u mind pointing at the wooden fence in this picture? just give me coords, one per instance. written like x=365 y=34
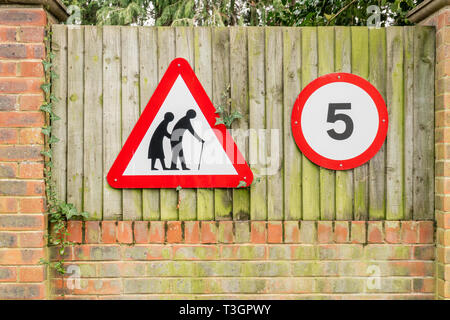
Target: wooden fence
x=107 y=75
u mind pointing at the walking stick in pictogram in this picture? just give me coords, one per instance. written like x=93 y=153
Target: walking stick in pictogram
x=201 y=153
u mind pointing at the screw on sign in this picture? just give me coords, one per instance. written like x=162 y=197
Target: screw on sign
x=339 y=121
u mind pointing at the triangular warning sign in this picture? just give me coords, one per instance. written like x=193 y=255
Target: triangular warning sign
x=176 y=141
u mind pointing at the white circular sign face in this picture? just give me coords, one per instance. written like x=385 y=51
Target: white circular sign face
x=339 y=121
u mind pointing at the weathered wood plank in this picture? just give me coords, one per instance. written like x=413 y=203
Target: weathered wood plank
x=408 y=109
x=377 y=165
x=424 y=59
x=166 y=53
x=360 y=67
x=112 y=128
x=239 y=102
x=148 y=80
x=59 y=128
x=203 y=70
x=292 y=155
x=327 y=177
x=132 y=199
x=394 y=150
x=75 y=111
x=223 y=198
x=185 y=48
x=344 y=179
x=257 y=152
x=274 y=122
x=310 y=172
x=93 y=131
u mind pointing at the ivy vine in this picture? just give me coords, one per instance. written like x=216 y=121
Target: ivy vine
x=226 y=117
x=59 y=212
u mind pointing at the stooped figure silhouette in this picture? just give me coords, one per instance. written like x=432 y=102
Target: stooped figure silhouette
x=176 y=140
x=155 y=149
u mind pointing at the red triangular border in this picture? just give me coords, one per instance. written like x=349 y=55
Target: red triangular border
x=115 y=176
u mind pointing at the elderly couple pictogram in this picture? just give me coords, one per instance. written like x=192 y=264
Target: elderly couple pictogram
x=156 y=151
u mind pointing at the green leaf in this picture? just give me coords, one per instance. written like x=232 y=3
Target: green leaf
x=227 y=121
x=84 y=214
x=47 y=153
x=179 y=188
x=54 y=117
x=46 y=130
x=236 y=115
x=46 y=64
x=46 y=87
x=54 y=75
x=242 y=184
x=53 y=98
x=219 y=109
x=219 y=121
x=53 y=139
x=46 y=108
x=49 y=164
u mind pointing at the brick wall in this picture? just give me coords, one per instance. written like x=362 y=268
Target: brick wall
x=22 y=219
x=441 y=20
x=226 y=259
x=443 y=162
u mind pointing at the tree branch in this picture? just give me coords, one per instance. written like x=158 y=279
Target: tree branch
x=340 y=11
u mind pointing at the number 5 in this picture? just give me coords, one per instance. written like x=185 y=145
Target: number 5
x=332 y=117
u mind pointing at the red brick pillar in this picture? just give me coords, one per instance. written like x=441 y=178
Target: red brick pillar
x=437 y=13
x=23 y=220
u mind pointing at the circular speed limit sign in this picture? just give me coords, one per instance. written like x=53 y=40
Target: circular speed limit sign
x=339 y=121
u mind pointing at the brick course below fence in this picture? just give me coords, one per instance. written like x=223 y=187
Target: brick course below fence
x=258 y=260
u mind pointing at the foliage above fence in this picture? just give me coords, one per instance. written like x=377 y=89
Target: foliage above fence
x=238 y=12
x=108 y=74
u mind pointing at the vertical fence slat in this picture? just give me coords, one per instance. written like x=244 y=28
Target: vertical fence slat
x=59 y=128
x=239 y=102
x=256 y=85
x=203 y=70
x=408 y=142
x=132 y=198
x=292 y=155
x=274 y=122
x=377 y=76
x=223 y=198
x=327 y=177
x=394 y=150
x=310 y=172
x=148 y=79
x=185 y=48
x=344 y=179
x=424 y=60
x=360 y=67
x=166 y=53
x=112 y=119
x=75 y=110
x=93 y=131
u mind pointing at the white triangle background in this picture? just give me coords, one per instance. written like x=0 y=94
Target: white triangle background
x=214 y=160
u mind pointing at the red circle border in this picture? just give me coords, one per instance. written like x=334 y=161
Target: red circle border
x=306 y=149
